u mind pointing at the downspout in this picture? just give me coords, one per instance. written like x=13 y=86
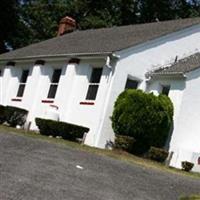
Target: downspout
x=108 y=62
x=104 y=109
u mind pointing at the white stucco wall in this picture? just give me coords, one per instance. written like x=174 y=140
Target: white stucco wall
x=185 y=142
x=77 y=78
x=177 y=87
x=139 y=60
x=184 y=93
x=72 y=90
x=10 y=83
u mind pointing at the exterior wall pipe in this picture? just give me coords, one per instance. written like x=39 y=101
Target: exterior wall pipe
x=104 y=109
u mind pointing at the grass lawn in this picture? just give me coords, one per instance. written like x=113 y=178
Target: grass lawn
x=190 y=198
x=120 y=155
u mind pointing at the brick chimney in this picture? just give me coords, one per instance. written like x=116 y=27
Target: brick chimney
x=66 y=25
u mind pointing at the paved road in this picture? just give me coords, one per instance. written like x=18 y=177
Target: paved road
x=32 y=169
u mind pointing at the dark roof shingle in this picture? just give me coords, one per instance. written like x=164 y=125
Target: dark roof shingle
x=104 y=40
x=184 y=65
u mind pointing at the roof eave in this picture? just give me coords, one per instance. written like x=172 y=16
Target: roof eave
x=169 y=75
x=58 y=56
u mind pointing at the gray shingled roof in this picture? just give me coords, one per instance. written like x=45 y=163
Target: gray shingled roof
x=99 y=41
x=185 y=65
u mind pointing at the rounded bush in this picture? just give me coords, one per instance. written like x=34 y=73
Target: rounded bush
x=157 y=154
x=124 y=142
x=144 y=116
x=187 y=166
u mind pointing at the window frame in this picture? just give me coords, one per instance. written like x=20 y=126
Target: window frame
x=168 y=86
x=22 y=83
x=129 y=77
x=51 y=93
x=92 y=95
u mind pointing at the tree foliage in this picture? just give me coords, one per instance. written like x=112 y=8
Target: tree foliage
x=145 y=117
x=8 y=19
x=38 y=20
x=23 y=22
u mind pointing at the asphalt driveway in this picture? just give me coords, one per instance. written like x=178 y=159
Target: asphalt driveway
x=32 y=169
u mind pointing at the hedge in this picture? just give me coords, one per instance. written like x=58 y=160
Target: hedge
x=15 y=116
x=65 y=130
x=187 y=166
x=2 y=114
x=157 y=154
x=143 y=116
x=124 y=142
x=12 y=115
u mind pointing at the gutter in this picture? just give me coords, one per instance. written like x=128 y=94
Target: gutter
x=152 y=76
x=58 y=56
x=109 y=59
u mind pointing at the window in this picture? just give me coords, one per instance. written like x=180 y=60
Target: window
x=131 y=84
x=165 y=90
x=54 y=83
x=94 y=84
x=22 y=84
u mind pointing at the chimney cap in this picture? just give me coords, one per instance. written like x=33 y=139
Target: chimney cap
x=66 y=25
x=67 y=19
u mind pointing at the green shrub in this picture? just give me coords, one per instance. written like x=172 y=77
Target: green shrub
x=65 y=130
x=145 y=117
x=157 y=154
x=187 y=166
x=2 y=114
x=15 y=116
x=124 y=142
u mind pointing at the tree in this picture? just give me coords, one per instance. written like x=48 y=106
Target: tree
x=156 y=10
x=8 y=21
x=38 y=20
x=182 y=9
x=24 y=22
x=145 y=117
x=152 y=10
x=129 y=12
x=105 y=13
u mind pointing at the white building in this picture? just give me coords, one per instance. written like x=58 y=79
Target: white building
x=82 y=72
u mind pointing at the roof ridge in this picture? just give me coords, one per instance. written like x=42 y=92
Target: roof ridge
x=137 y=24
x=184 y=65
x=101 y=40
